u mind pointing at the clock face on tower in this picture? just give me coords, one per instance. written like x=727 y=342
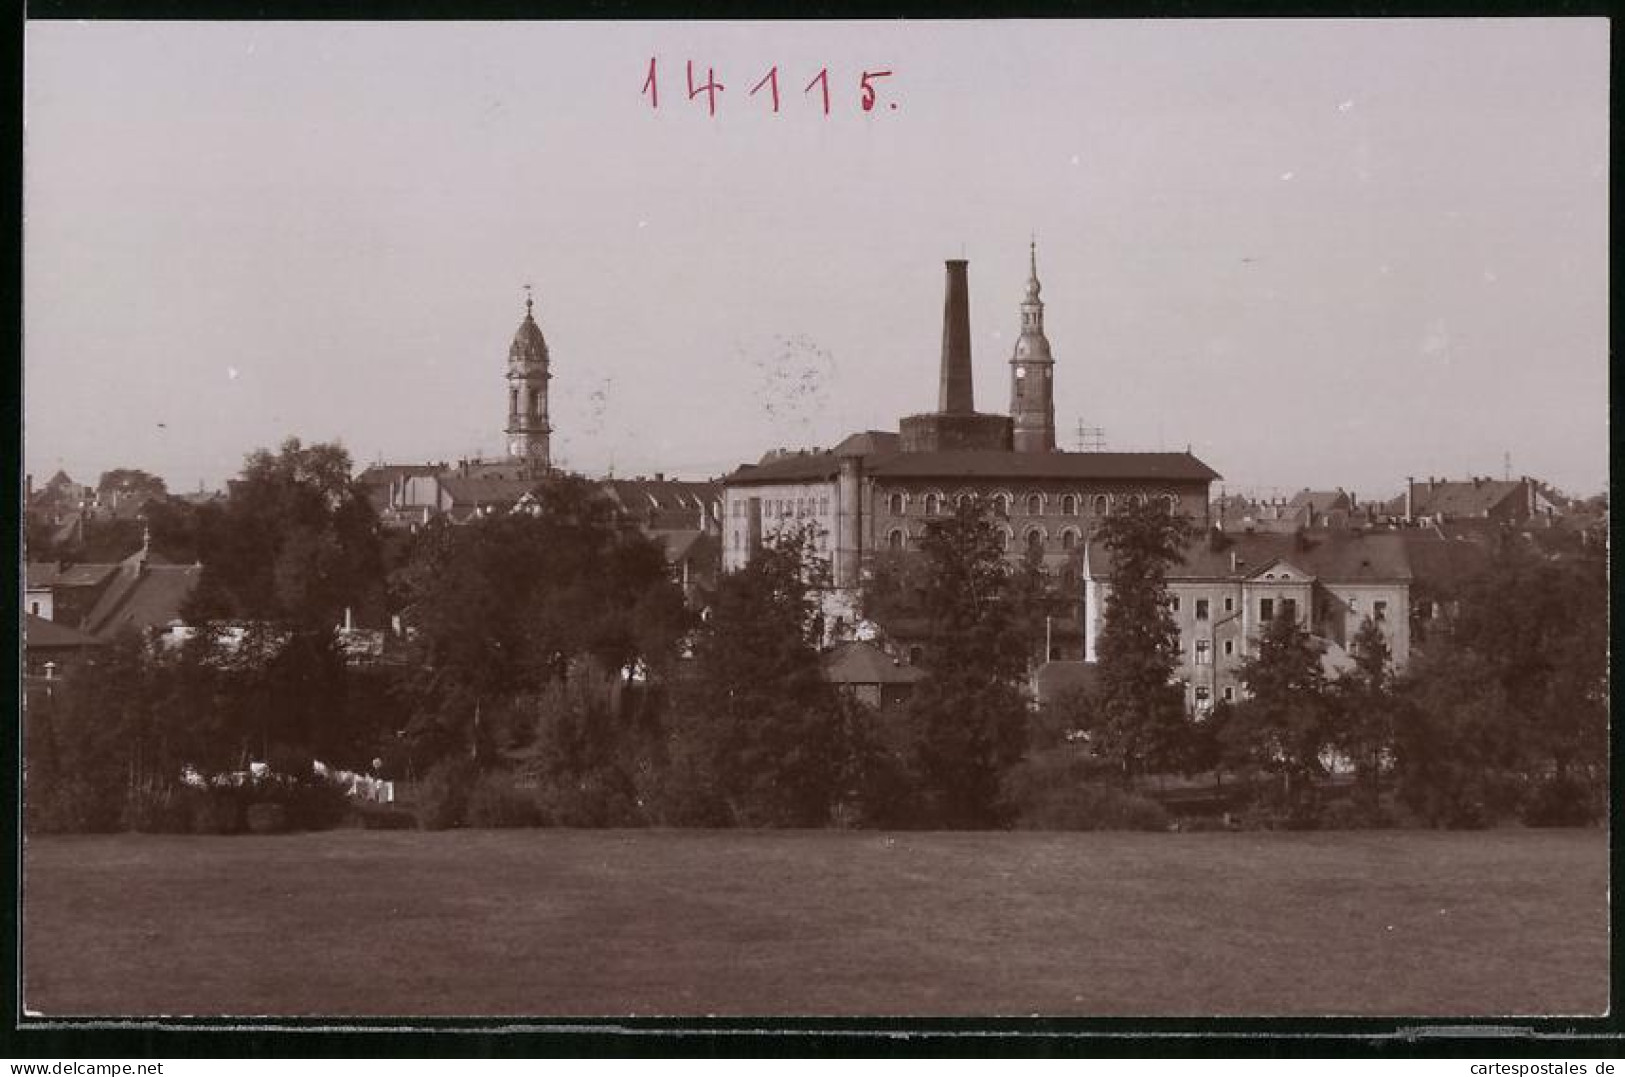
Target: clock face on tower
x=1021 y=372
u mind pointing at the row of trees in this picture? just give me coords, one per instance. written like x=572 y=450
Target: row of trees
x=1504 y=713
x=554 y=674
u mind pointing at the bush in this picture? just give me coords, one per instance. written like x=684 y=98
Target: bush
x=310 y=803
x=601 y=798
x=442 y=796
x=1564 y=801
x=71 y=805
x=1459 y=798
x=217 y=810
x=163 y=810
x=495 y=801
x=1060 y=790
x=382 y=817
x=266 y=818
x=1355 y=815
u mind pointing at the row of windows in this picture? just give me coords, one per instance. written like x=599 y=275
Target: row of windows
x=776 y=507
x=1266 y=608
x=820 y=540
x=1204 y=696
x=1070 y=504
x=898 y=539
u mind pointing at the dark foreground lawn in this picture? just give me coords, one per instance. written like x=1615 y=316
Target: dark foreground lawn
x=541 y=922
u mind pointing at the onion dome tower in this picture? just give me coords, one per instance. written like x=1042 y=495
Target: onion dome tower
x=528 y=431
x=1032 y=374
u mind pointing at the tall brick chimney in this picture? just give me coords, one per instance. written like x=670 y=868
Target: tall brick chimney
x=956 y=391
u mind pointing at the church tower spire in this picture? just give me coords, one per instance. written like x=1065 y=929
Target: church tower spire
x=1032 y=372
x=529 y=434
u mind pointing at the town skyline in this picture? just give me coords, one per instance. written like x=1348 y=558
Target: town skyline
x=1306 y=251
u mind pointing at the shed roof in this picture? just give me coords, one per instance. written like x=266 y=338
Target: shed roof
x=38 y=633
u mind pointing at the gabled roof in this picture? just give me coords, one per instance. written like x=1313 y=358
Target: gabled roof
x=142 y=598
x=1320 y=501
x=1474 y=498
x=795 y=467
x=983 y=463
x=681 y=544
x=662 y=497
x=384 y=474
x=475 y=492
x=864 y=663
x=1443 y=562
x=869 y=443
x=50 y=574
x=1335 y=555
x=40 y=633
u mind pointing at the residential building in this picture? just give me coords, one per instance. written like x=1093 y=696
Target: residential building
x=1227 y=589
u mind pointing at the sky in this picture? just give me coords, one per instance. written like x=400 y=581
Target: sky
x=1318 y=253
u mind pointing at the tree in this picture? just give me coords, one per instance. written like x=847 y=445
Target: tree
x=1283 y=726
x=967 y=720
x=295 y=543
x=1139 y=721
x=1507 y=709
x=756 y=728
x=125 y=482
x=503 y=606
x=1364 y=701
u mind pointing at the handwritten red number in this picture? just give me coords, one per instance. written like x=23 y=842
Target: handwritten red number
x=771 y=80
x=822 y=76
x=649 y=86
x=868 y=90
x=709 y=89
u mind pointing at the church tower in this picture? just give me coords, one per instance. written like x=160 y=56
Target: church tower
x=1032 y=374
x=528 y=430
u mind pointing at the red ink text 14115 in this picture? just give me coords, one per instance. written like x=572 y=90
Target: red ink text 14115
x=818 y=92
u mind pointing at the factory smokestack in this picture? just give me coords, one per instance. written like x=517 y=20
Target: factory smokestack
x=955 y=395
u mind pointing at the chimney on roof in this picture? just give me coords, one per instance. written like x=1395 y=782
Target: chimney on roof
x=660 y=476
x=955 y=393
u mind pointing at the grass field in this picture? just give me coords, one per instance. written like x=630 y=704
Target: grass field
x=544 y=922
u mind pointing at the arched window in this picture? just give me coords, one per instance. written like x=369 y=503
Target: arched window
x=1069 y=505
x=1035 y=540
x=933 y=504
x=895 y=503
x=1035 y=505
x=1103 y=504
x=1069 y=539
x=1004 y=538
x=895 y=539
x=1001 y=505
x=1173 y=503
